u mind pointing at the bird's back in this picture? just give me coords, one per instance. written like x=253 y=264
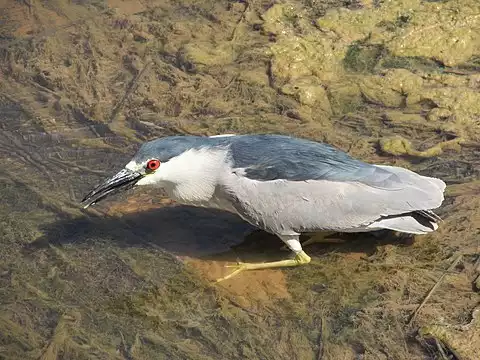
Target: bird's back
x=278 y=157
x=274 y=157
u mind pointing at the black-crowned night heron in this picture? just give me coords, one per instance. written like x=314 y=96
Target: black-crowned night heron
x=283 y=185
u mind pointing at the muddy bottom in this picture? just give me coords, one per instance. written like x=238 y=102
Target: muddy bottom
x=83 y=84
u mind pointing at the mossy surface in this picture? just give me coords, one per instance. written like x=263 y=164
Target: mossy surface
x=84 y=83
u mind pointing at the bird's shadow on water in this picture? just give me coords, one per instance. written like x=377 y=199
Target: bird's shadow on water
x=194 y=232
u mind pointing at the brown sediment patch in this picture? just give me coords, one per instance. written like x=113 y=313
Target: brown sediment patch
x=354 y=256
x=126 y=7
x=249 y=286
x=23 y=19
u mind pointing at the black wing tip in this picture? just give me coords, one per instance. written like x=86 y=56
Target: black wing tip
x=429 y=215
x=427 y=218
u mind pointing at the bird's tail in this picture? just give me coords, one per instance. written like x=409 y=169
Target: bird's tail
x=420 y=219
x=415 y=222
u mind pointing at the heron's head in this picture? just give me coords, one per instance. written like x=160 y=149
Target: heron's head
x=161 y=162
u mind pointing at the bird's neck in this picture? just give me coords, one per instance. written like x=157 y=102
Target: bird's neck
x=193 y=176
x=189 y=193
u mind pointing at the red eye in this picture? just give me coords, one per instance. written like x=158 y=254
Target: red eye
x=153 y=164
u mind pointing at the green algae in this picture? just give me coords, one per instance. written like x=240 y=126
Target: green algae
x=295 y=57
x=395 y=88
x=203 y=54
x=409 y=28
x=308 y=91
x=400 y=146
x=368 y=53
x=220 y=68
x=281 y=19
x=363 y=58
x=439 y=114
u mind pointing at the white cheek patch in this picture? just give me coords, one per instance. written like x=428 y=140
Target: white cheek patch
x=132 y=165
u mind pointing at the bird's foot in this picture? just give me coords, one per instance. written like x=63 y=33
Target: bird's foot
x=239 y=267
x=301 y=258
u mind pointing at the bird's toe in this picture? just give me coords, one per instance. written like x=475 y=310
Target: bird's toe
x=239 y=267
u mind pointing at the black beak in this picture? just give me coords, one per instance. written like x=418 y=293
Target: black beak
x=123 y=180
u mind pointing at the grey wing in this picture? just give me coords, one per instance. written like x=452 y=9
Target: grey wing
x=354 y=204
x=283 y=206
x=275 y=157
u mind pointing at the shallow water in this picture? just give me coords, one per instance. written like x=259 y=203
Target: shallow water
x=84 y=83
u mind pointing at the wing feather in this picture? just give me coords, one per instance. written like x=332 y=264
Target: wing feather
x=276 y=157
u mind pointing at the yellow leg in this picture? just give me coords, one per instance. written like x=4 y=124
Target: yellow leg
x=319 y=237
x=301 y=258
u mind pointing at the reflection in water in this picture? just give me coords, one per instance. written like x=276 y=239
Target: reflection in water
x=179 y=230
